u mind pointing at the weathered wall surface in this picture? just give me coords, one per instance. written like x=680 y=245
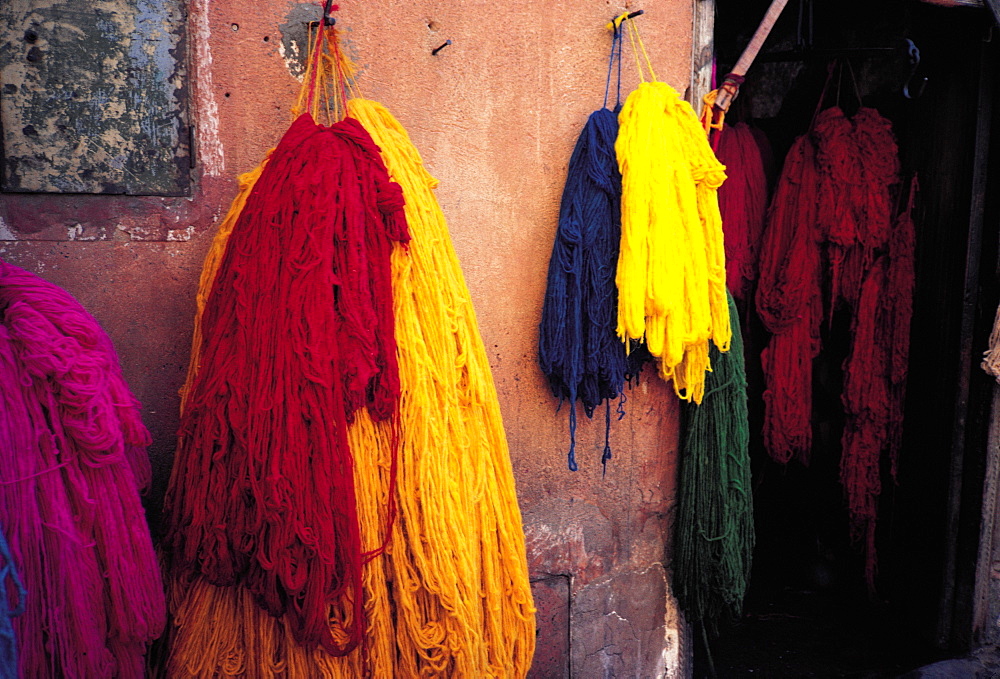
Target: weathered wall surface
x=495 y=115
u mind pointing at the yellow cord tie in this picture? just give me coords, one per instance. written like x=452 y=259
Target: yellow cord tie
x=712 y=115
x=711 y=119
x=637 y=48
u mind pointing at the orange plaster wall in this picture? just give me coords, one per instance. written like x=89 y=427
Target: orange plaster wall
x=495 y=116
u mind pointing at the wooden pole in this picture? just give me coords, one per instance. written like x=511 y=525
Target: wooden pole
x=727 y=94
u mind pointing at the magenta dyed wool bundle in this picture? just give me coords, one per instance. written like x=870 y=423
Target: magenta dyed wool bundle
x=72 y=460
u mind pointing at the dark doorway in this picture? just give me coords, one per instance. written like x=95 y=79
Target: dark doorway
x=808 y=612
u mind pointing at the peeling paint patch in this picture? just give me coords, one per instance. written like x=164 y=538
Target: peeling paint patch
x=292 y=57
x=5 y=232
x=295 y=36
x=93 y=98
x=294 y=43
x=180 y=234
x=80 y=233
x=210 y=151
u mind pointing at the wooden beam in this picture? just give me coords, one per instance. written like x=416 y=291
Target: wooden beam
x=702 y=51
x=970 y=297
x=982 y=627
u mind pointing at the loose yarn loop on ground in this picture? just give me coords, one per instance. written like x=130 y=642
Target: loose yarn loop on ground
x=715 y=533
x=742 y=204
x=12 y=595
x=298 y=334
x=671 y=269
x=578 y=349
x=460 y=601
x=72 y=460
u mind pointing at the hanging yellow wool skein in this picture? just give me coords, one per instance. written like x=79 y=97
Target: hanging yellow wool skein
x=463 y=599
x=671 y=265
x=460 y=602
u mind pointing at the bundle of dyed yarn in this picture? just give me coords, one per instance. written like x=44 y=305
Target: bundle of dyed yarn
x=446 y=592
x=742 y=203
x=11 y=606
x=72 y=461
x=834 y=227
x=578 y=349
x=671 y=265
x=714 y=535
x=296 y=337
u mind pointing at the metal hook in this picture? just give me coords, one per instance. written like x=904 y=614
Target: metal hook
x=622 y=18
x=328 y=19
x=914 y=55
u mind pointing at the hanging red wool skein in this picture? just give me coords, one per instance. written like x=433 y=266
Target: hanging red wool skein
x=789 y=302
x=298 y=333
x=742 y=203
x=834 y=203
x=875 y=381
x=858 y=161
x=866 y=408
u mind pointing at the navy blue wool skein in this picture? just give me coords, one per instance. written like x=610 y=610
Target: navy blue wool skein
x=578 y=349
x=10 y=586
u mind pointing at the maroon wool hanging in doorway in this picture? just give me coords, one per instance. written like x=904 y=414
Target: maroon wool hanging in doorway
x=789 y=302
x=833 y=235
x=742 y=204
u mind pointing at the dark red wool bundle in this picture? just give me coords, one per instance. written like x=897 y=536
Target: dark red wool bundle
x=72 y=460
x=837 y=219
x=859 y=163
x=866 y=410
x=789 y=302
x=298 y=334
x=875 y=379
x=742 y=203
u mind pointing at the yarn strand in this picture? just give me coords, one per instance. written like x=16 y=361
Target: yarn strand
x=12 y=596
